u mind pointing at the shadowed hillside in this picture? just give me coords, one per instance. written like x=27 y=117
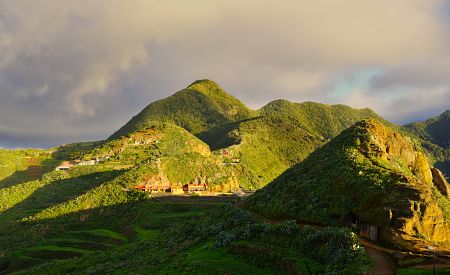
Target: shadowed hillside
x=435 y=133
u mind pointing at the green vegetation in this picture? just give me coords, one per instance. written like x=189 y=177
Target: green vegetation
x=334 y=180
x=369 y=172
x=91 y=220
x=221 y=238
x=434 y=133
x=264 y=143
x=18 y=166
x=414 y=271
x=201 y=105
x=285 y=134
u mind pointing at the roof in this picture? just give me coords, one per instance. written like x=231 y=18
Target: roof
x=197 y=185
x=66 y=164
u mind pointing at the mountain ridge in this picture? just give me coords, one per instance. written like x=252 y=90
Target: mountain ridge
x=260 y=139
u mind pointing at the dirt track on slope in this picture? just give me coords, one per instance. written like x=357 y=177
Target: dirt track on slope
x=382 y=265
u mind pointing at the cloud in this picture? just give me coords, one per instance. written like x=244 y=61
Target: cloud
x=80 y=69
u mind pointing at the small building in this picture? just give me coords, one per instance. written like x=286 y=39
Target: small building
x=364 y=229
x=88 y=162
x=226 y=153
x=158 y=188
x=140 y=187
x=195 y=188
x=65 y=166
x=369 y=231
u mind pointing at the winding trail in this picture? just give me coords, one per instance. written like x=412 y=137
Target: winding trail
x=382 y=265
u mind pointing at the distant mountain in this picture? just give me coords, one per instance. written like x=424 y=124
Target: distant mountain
x=435 y=133
x=371 y=173
x=263 y=143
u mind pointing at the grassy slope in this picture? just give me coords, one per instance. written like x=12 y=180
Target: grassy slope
x=326 y=184
x=91 y=222
x=186 y=238
x=202 y=105
x=285 y=134
x=266 y=142
x=88 y=221
x=338 y=179
x=435 y=133
x=17 y=166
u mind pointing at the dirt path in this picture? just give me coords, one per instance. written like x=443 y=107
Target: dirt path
x=382 y=265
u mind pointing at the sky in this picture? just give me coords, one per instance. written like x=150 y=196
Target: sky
x=77 y=70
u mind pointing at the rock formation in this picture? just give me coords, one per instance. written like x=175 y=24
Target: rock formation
x=375 y=174
x=440 y=182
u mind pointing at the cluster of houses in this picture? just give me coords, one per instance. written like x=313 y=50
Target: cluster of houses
x=175 y=189
x=159 y=184
x=67 y=165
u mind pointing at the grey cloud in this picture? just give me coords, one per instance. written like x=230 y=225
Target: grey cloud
x=79 y=70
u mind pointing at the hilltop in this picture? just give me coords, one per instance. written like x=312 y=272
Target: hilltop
x=435 y=135
x=260 y=141
x=198 y=107
x=370 y=173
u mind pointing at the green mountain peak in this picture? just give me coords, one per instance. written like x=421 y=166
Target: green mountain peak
x=200 y=106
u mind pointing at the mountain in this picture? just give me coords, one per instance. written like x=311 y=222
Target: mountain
x=284 y=134
x=259 y=143
x=370 y=173
x=435 y=135
x=92 y=220
x=201 y=105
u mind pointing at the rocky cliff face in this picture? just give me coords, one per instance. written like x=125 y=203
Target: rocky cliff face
x=372 y=173
x=396 y=149
x=415 y=212
x=440 y=182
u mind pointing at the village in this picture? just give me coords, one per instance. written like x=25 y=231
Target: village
x=178 y=188
x=160 y=185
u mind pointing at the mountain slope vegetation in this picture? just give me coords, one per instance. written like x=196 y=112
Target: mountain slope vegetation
x=260 y=142
x=435 y=135
x=285 y=134
x=369 y=171
x=200 y=106
x=91 y=219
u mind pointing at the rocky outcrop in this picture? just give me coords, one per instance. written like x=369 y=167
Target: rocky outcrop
x=440 y=182
x=392 y=147
x=415 y=213
x=372 y=172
